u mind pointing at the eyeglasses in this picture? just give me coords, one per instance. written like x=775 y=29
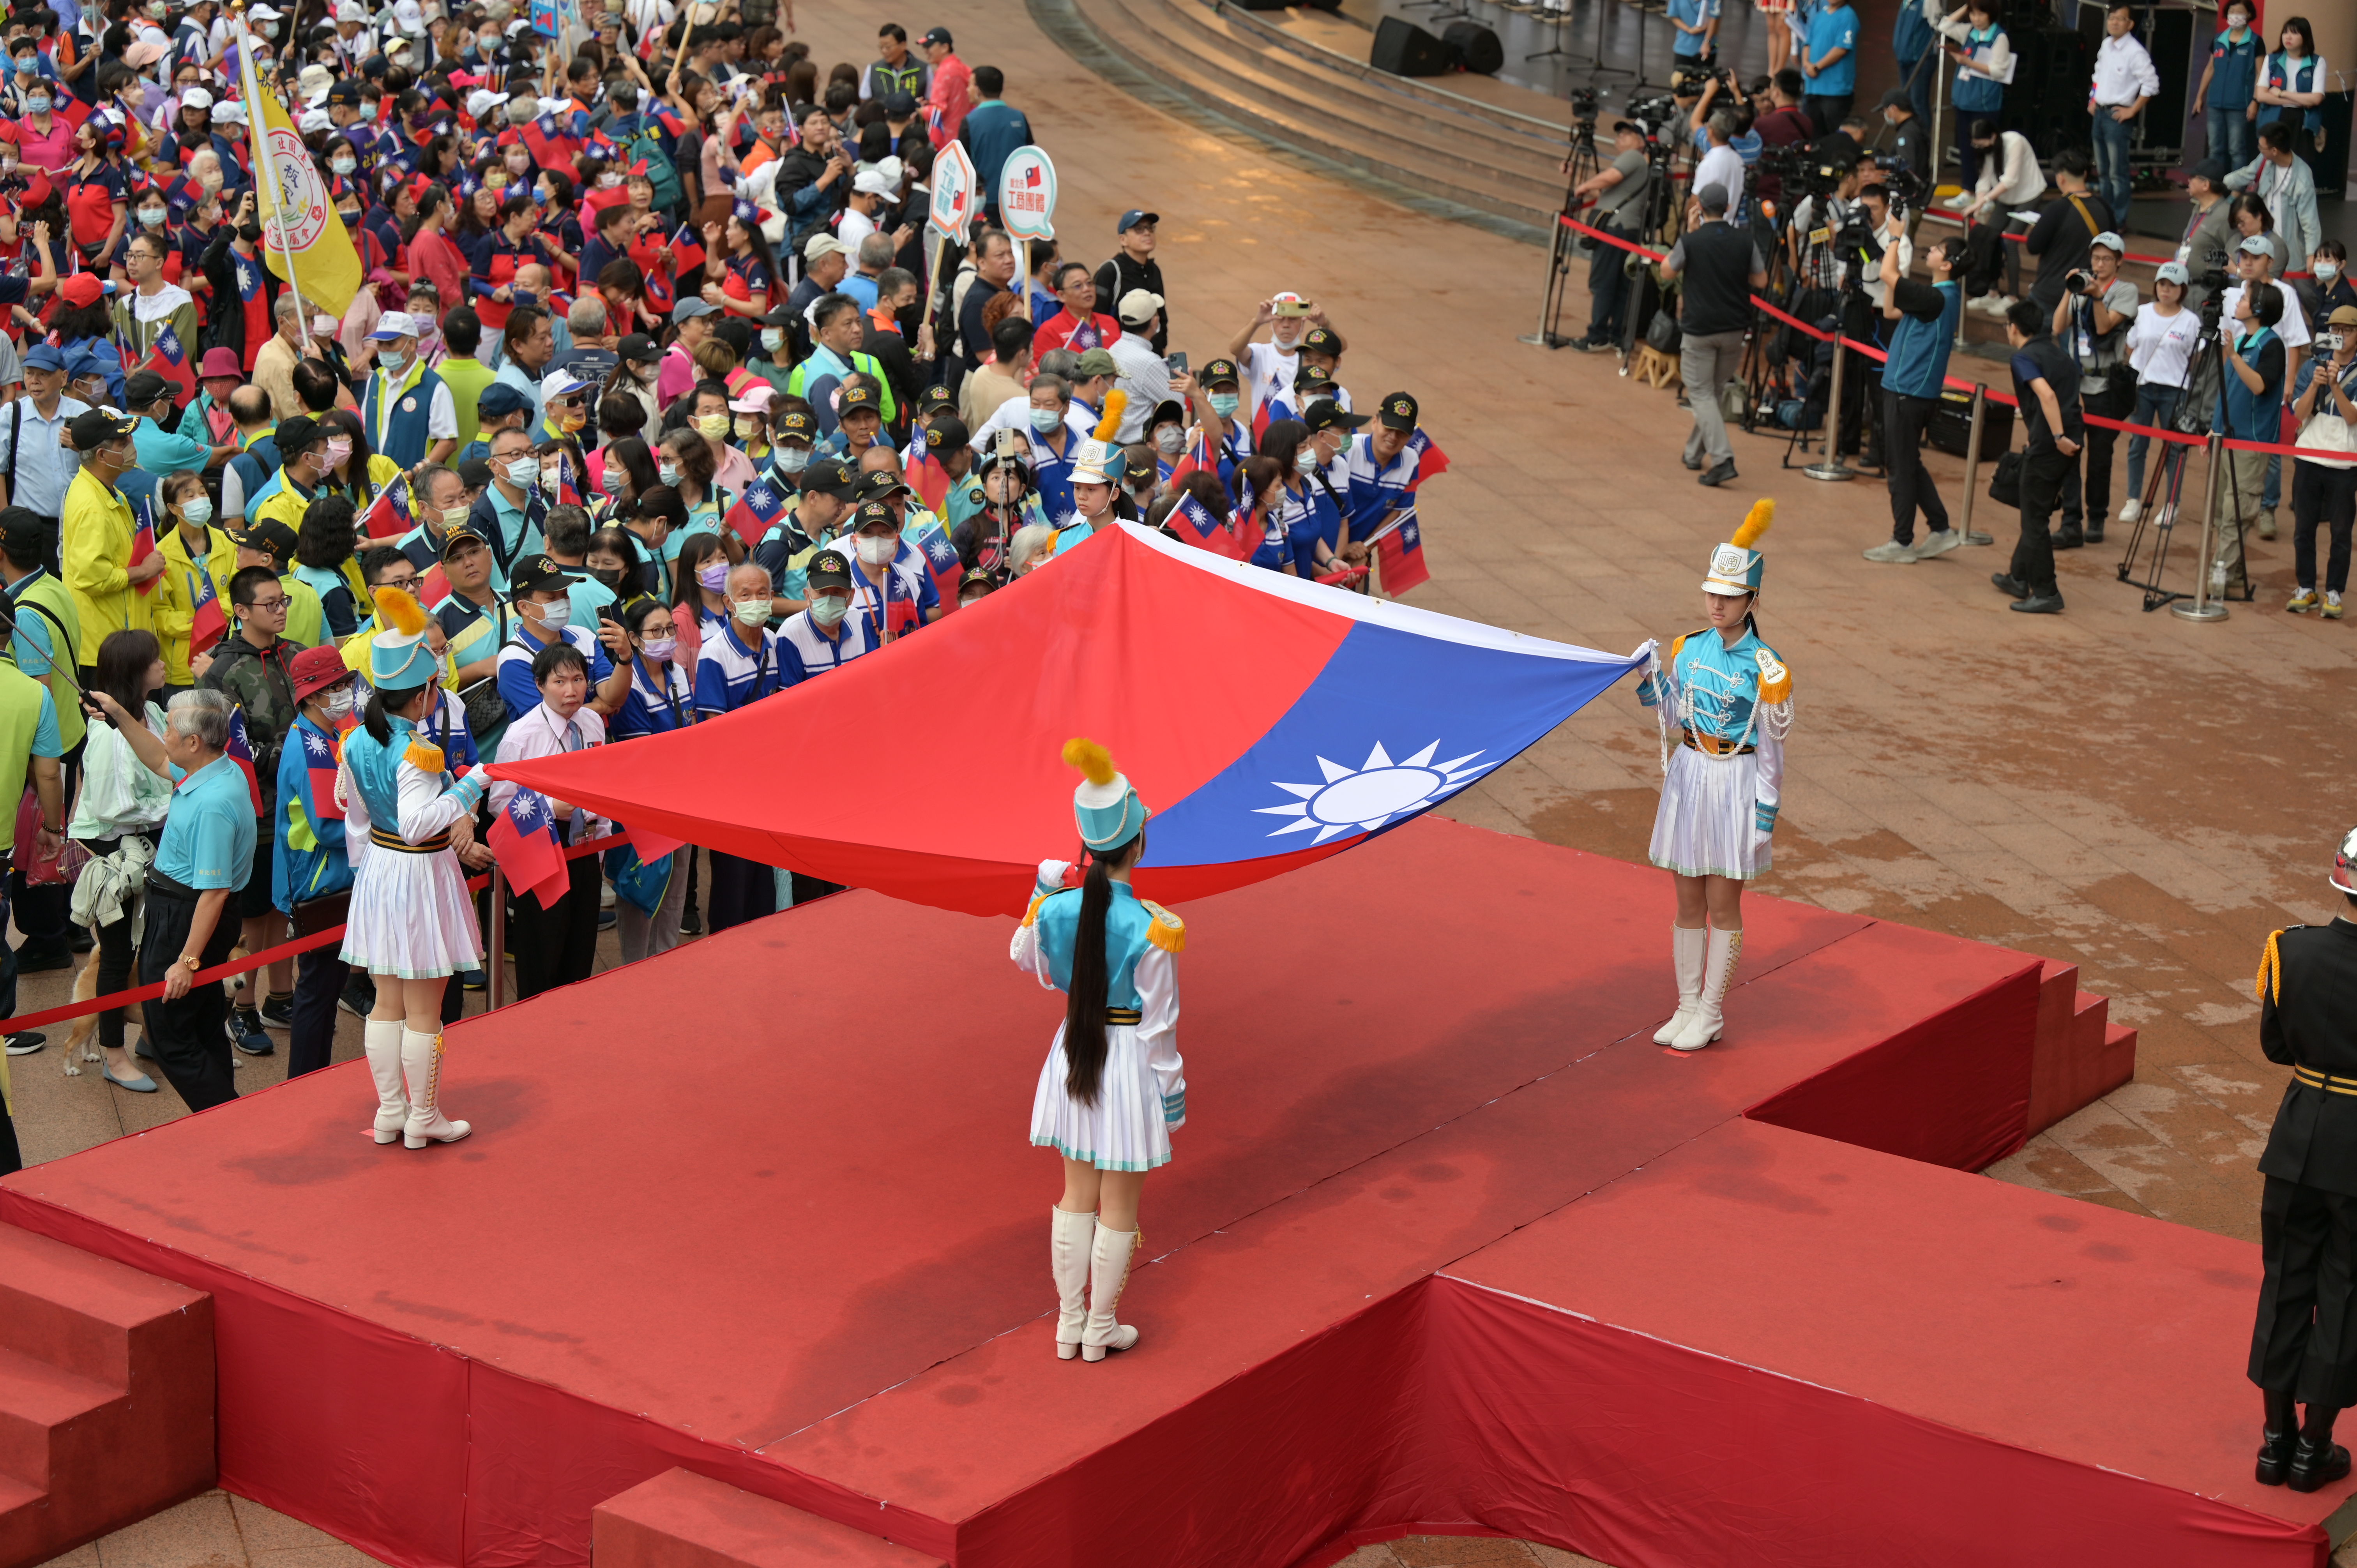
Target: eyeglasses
x=269 y=606
x=406 y=584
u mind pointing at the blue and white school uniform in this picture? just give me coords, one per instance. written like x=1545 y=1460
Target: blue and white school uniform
x=808 y=650
x=729 y=673
x=1142 y=1094
x=1724 y=715
x=1375 y=489
x=410 y=913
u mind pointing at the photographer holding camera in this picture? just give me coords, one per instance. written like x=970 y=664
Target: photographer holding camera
x=1781 y=124
x=2094 y=318
x=1927 y=316
x=2324 y=489
x=1619 y=193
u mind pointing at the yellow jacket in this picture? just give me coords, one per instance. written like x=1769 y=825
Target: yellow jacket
x=172 y=608
x=96 y=558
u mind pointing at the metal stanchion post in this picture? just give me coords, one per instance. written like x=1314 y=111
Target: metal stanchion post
x=1832 y=468
x=2204 y=607
x=495 y=982
x=1973 y=466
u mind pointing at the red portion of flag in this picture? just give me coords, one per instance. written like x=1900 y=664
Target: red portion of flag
x=433 y=588
x=143 y=545
x=240 y=751
x=170 y=359
x=1430 y=459
x=207 y=622
x=524 y=840
x=389 y=519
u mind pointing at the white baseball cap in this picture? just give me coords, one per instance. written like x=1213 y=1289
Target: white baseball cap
x=557 y=383
x=196 y=98
x=393 y=324
x=1137 y=306
x=231 y=113
x=481 y=101
x=875 y=182
x=262 y=13
x=351 y=11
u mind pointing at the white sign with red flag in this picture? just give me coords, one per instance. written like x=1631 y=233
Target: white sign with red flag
x=1026 y=195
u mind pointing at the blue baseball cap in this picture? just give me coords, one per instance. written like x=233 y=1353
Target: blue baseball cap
x=1133 y=217
x=499 y=400
x=45 y=357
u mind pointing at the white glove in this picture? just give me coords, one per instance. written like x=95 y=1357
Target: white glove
x=1051 y=875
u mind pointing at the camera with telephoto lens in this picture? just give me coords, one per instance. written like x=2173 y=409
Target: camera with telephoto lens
x=2078 y=281
x=1688 y=80
x=1654 y=113
x=1901 y=185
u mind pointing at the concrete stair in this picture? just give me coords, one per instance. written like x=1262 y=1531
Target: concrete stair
x=2081 y=1055
x=106 y=1396
x=682 y=1519
x=1241 y=67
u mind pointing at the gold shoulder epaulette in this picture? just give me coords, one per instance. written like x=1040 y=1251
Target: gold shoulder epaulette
x=1031 y=916
x=1168 y=932
x=424 y=757
x=1775 y=679
x=2270 y=981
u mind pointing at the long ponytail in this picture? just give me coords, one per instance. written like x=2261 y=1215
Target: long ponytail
x=1084 y=1009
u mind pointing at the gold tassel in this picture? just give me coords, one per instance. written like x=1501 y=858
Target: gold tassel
x=2270 y=970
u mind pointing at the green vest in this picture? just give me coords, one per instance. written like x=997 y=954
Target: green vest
x=54 y=597
x=20 y=719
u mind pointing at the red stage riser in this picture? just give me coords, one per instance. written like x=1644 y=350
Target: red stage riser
x=1350 y=1137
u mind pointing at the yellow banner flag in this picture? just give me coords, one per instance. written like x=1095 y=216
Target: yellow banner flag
x=304 y=238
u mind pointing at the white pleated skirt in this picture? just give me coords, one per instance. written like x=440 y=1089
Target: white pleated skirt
x=411 y=916
x=1706 y=824
x=1124 y=1130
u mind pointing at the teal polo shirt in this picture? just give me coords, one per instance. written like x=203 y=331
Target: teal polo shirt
x=209 y=832
x=162 y=452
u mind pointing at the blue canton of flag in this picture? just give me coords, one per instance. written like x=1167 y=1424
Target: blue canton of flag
x=942 y=562
x=249 y=283
x=1198 y=519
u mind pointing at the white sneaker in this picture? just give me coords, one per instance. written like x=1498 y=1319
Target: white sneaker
x=1892 y=553
x=1939 y=543
x=2131 y=509
x=1958 y=203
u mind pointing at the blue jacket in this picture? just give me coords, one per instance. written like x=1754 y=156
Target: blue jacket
x=993 y=130
x=308 y=861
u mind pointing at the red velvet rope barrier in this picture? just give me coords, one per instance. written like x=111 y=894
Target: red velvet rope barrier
x=251 y=961
x=1879 y=356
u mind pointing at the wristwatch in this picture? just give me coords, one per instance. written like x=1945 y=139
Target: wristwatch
x=191 y=960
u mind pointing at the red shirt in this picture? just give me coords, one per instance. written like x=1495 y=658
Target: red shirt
x=1057 y=331
x=948 y=101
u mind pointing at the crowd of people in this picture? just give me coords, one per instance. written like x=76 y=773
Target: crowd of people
x=653 y=398
x=2084 y=340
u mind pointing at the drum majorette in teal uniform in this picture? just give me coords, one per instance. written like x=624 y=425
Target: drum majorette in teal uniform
x=1725 y=702
x=1113 y=1088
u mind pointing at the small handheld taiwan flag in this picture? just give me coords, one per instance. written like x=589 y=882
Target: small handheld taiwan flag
x=1401 y=550
x=1430 y=460
x=207 y=622
x=170 y=359
x=240 y=751
x=389 y=518
x=941 y=564
x=756 y=512
x=524 y=840
x=143 y=542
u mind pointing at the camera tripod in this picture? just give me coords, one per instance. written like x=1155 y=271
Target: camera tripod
x=2160 y=508
x=1582 y=164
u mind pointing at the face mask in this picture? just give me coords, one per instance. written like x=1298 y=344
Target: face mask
x=552 y=618
x=338 y=703
x=793 y=459
x=646 y=373
x=268 y=29
x=715 y=577
x=37 y=104
x=523 y=472
x=608 y=181
x=1305 y=460
x=609 y=576
x=773 y=338
x=552 y=476
x=2326 y=271
x=712 y=427
x=1168 y=440
x=338 y=450
x=668 y=473
x=395 y=365
x=751 y=612
x=199 y=511
x=1225 y=404
x=343 y=166
x=661 y=649
x=519 y=163
x=1045 y=420
x=152 y=217
x=350 y=215
x=875 y=551
x=746 y=428
x=829 y=610
x=610 y=481
x=1286 y=345
x=250 y=232
x=441 y=667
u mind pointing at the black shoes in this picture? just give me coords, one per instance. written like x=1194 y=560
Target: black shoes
x=2047 y=603
x=2011 y=587
x=2315 y=1465
x=2094 y=533
x=1694 y=465
x=2069 y=539
x=277 y=1012
x=1721 y=474
x=31 y=960
x=2277 y=1438
x=82 y=941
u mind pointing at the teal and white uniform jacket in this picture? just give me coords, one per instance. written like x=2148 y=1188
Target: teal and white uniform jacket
x=1725 y=701
x=1143 y=941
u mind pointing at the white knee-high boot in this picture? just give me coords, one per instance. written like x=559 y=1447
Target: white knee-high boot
x=1686 y=949
x=380 y=1039
x=1718 y=969
x=420 y=1062
x=1070 y=1237
x=1108 y=1272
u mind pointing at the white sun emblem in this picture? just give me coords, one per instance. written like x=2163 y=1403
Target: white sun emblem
x=1363 y=799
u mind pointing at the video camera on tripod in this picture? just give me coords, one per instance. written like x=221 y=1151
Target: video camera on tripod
x=1901 y=185
x=1688 y=80
x=1586 y=104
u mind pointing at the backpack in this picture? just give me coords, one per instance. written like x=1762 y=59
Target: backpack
x=644 y=144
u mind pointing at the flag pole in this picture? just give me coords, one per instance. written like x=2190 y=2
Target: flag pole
x=252 y=84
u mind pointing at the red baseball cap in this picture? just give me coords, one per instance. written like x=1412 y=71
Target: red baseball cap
x=81 y=290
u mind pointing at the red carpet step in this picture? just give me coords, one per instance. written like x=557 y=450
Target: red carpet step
x=682 y=1519
x=106 y=1396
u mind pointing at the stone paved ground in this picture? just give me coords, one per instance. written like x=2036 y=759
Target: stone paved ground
x=2140 y=796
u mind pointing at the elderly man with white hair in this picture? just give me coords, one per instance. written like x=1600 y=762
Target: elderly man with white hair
x=592 y=358
x=407 y=410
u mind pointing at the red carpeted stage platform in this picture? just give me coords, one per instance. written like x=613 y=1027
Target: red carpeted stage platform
x=1450 y=1245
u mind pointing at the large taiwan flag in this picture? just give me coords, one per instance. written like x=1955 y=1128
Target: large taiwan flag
x=1268 y=722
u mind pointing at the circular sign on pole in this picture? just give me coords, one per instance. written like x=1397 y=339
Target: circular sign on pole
x=1026 y=195
x=300 y=198
x=952 y=213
